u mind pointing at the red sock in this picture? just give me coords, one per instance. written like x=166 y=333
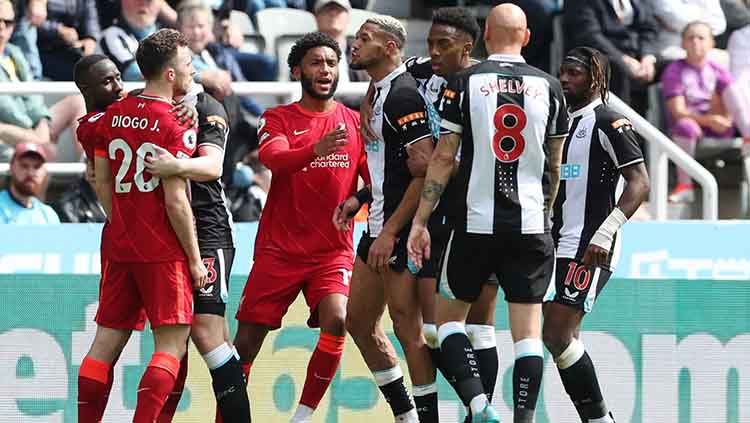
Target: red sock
x=156 y=384
x=322 y=368
x=94 y=384
x=245 y=371
x=170 y=407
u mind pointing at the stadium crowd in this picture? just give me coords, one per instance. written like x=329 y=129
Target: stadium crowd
x=703 y=74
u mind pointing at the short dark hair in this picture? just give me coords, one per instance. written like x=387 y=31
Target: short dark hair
x=83 y=67
x=459 y=18
x=308 y=42
x=157 y=50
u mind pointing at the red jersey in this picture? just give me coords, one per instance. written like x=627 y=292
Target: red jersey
x=305 y=190
x=87 y=132
x=139 y=226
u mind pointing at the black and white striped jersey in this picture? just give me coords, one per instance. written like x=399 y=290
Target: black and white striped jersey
x=120 y=43
x=600 y=143
x=399 y=118
x=504 y=110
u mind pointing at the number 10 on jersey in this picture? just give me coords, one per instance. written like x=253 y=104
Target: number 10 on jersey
x=508 y=143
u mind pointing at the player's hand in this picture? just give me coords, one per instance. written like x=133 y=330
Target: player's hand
x=345 y=212
x=595 y=256
x=185 y=114
x=163 y=164
x=199 y=274
x=418 y=244
x=365 y=113
x=381 y=250
x=331 y=142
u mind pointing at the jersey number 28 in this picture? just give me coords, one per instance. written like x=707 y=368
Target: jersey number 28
x=141 y=184
x=508 y=143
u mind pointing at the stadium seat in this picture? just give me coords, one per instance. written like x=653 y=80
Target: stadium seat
x=284 y=45
x=729 y=161
x=416 y=40
x=276 y=22
x=357 y=17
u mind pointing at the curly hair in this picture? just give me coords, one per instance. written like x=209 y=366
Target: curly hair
x=459 y=18
x=598 y=66
x=157 y=50
x=308 y=42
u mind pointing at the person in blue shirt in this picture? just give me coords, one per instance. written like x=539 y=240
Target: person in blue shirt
x=18 y=204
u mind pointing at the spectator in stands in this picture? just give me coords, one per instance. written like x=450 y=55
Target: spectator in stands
x=120 y=41
x=673 y=15
x=739 y=40
x=19 y=203
x=693 y=89
x=23 y=118
x=30 y=16
x=70 y=32
x=625 y=31
x=737 y=14
x=332 y=17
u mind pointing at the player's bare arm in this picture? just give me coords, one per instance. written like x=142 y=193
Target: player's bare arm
x=204 y=168
x=439 y=172
x=103 y=176
x=181 y=218
x=636 y=191
x=555 y=160
x=419 y=154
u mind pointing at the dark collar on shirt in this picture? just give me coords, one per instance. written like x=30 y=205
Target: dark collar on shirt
x=16 y=200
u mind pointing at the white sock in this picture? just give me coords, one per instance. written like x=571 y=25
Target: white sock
x=410 y=416
x=478 y=403
x=303 y=414
x=218 y=356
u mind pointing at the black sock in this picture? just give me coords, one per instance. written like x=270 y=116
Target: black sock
x=231 y=395
x=527 y=379
x=461 y=363
x=395 y=394
x=582 y=386
x=426 y=401
x=488 y=366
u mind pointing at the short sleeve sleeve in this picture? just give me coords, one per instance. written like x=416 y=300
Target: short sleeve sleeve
x=408 y=115
x=621 y=141
x=559 y=122
x=671 y=81
x=212 y=122
x=449 y=107
x=723 y=79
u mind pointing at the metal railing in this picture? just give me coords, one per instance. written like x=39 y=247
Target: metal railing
x=661 y=148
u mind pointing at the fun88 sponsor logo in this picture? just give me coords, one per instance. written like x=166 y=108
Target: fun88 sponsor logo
x=333 y=160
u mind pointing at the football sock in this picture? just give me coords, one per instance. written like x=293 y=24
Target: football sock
x=245 y=373
x=322 y=368
x=391 y=384
x=485 y=347
x=94 y=384
x=579 y=379
x=156 y=384
x=460 y=361
x=228 y=383
x=527 y=378
x=170 y=407
x=426 y=402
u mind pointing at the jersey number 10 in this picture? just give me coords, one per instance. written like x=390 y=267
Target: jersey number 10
x=508 y=143
x=143 y=185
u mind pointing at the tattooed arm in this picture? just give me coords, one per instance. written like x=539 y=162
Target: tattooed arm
x=438 y=173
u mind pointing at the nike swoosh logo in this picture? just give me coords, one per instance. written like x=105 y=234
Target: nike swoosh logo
x=296 y=132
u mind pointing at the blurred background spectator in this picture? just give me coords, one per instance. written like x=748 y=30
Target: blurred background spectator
x=672 y=17
x=30 y=15
x=70 y=32
x=625 y=31
x=120 y=41
x=19 y=203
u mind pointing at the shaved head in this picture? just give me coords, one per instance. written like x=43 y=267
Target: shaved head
x=506 y=30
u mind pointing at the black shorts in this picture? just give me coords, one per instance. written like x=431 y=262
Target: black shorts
x=523 y=265
x=399 y=256
x=212 y=298
x=576 y=285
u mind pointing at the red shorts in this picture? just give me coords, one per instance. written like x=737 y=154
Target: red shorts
x=131 y=292
x=274 y=284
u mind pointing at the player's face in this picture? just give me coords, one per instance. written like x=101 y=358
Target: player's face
x=7 y=22
x=368 y=48
x=319 y=72
x=184 y=72
x=576 y=83
x=197 y=30
x=448 y=47
x=697 y=42
x=104 y=85
x=27 y=174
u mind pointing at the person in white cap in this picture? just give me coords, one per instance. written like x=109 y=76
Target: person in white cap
x=19 y=203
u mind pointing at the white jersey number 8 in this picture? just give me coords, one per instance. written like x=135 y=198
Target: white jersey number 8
x=144 y=150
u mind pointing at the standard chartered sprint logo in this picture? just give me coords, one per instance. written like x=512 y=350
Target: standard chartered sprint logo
x=333 y=160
